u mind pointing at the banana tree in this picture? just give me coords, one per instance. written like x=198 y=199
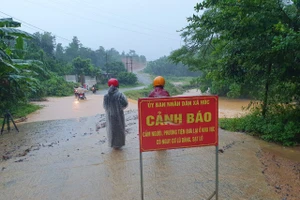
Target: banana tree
x=16 y=75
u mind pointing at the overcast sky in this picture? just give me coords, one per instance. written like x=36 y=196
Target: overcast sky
x=146 y=26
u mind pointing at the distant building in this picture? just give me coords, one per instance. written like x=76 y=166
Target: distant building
x=89 y=80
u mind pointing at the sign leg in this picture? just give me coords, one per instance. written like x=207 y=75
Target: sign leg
x=13 y=122
x=217 y=172
x=142 y=179
x=3 y=124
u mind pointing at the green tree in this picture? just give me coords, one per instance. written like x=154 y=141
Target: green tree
x=252 y=44
x=127 y=78
x=59 y=52
x=115 y=67
x=72 y=51
x=82 y=67
x=101 y=57
x=17 y=76
x=250 y=48
x=164 y=67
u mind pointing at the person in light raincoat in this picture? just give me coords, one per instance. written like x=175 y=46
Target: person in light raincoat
x=159 y=91
x=114 y=103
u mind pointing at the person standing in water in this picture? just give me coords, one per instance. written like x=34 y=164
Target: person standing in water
x=114 y=104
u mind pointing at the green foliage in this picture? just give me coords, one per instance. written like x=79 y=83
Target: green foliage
x=172 y=89
x=57 y=86
x=234 y=90
x=23 y=109
x=281 y=126
x=17 y=76
x=30 y=65
x=115 y=67
x=248 y=46
x=250 y=49
x=82 y=67
x=127 y=78
x=164 y=67
x=136 y=94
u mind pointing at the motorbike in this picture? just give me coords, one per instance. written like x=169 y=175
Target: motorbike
x=94 y=90
x=81 y=96
x=76 y=93
x=80 y=93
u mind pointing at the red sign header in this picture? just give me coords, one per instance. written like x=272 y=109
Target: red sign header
x=178 y=122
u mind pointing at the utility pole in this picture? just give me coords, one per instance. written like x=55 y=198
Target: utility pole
x=106 y=64
x=131 y=63
x=127 y=63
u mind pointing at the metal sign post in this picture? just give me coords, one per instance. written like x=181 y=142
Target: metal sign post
x=142 y=178
x=178 y=122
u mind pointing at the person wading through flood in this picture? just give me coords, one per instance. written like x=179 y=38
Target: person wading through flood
x=114 y=103
x=159 y=91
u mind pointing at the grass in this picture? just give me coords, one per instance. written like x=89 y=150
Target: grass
x=184 y=79
x=280 y=127
x=104 y=86
x=131 y=86
x=136 y=94
x=22 y=110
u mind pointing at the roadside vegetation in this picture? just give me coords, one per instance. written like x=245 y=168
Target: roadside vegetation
x=178 y=78
x=249 y=49
x=33 y=66
x=21 y=111
x=282 y=127
x=171 y=88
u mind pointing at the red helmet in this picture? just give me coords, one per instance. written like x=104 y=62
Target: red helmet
x=113 y=82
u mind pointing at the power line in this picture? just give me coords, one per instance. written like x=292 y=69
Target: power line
x=108 y=24
x=35 y=27
x=30 y=25
x=114 y=15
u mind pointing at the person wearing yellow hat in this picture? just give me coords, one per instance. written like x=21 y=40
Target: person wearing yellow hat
x=159 y=91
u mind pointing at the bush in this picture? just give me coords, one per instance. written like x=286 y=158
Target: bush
x=127 y=78
x=281 y=127
x=57 y=86
x=23 y=109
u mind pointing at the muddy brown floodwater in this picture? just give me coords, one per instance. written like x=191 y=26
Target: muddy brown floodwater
x=69 y=107
x=61 y=152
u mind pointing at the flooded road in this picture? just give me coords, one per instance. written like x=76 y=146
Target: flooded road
x=68 y=158
x=69 y=107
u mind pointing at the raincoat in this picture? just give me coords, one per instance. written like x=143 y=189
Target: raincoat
x=114 y=103
x=159 y=92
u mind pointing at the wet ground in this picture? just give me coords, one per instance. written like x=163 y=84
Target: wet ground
x=61 y=152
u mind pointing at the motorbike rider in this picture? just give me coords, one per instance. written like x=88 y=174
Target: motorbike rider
x=81 y=92
x=114 y=103
x=76 y=91
x=159 y=91
x=94 y=88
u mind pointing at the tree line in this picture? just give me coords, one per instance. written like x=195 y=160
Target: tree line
x=165 y=67
x=249 y=48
